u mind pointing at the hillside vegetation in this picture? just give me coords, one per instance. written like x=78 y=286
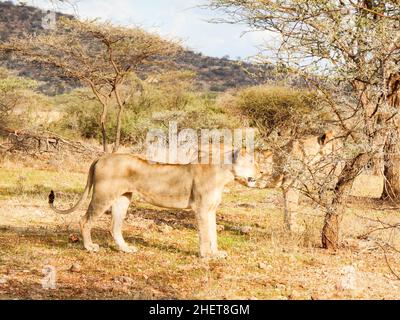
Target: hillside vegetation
x=215 y=74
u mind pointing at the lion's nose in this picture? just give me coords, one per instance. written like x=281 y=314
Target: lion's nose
x=251 y=180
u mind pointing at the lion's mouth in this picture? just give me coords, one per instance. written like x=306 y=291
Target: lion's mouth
x=249 y=182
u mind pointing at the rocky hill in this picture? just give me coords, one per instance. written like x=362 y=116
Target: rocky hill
x=215 y=74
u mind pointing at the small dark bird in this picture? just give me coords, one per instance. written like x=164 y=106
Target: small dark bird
x=51 y=197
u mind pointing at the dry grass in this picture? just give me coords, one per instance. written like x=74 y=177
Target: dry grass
x=264 y=262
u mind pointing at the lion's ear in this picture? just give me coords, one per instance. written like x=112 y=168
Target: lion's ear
x=325 y=138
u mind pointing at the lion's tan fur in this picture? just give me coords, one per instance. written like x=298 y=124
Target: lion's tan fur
x=308 y=150
x=114 y=178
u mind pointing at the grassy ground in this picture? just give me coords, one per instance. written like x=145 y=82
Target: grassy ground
x=264 y=262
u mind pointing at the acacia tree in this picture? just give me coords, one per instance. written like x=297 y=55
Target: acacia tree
x=100 y=55
x=348 y=50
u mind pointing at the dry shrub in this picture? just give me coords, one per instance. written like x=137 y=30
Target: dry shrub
x=283 y=110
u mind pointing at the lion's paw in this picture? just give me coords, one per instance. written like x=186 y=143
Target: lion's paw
x=127 y=249
x=93 y=247
x=219 y=255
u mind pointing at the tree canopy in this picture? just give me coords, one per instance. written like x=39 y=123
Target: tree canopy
x=103 y=56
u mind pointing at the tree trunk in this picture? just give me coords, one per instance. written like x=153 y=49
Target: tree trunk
x=103 y=120
x=103 y=99
x=334 y=215
x=330 y=231
x=392 y=168
x=119 y=122
x=392 y=148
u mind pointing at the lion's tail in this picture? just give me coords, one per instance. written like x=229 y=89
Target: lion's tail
x=85 y=194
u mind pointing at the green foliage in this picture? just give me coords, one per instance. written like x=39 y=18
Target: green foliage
x=80 y=115
x=10 y=83
x=282 y=110
x=13 y=91
x=165 y=98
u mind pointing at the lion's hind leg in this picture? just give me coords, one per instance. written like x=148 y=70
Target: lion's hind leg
x=119 y=210
x=95 y=210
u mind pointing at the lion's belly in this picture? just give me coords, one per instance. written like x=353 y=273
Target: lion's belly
x=175 y=201
x=167 y=187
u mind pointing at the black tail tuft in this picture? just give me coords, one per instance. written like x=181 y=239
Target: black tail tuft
x=51 y=197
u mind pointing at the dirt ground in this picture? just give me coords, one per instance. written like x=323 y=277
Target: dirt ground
x=264 y=261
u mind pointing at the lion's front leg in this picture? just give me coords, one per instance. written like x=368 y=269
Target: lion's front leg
x=291 y=201
x=207 y=225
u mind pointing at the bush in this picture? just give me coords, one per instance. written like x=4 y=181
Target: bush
x=161 y=101
x=80 y=115
x=15 y=92
x=282 y=110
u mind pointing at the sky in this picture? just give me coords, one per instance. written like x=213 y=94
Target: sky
x=176 y=19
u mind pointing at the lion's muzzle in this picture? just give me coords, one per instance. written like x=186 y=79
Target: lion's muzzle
x=251 y=182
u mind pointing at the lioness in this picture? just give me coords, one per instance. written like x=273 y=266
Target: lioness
x=115 y=177
x=308 y=150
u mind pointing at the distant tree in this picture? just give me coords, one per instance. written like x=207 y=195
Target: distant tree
x=174 y=87
x=100 y=55
x=283 y=112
